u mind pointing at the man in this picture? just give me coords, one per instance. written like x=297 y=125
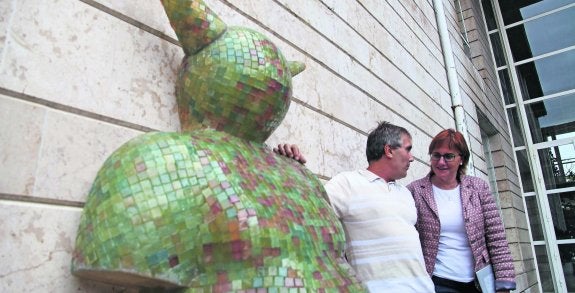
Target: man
x=378 y=214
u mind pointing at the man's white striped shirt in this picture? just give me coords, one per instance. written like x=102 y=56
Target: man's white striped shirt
x=382 y=243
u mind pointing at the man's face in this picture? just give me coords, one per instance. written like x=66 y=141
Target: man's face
x=402 y=157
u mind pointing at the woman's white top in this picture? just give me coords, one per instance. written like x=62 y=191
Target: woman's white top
x=454 y=257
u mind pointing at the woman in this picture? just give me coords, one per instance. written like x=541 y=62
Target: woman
x=458 y=222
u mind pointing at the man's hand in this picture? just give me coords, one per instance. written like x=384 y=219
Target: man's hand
x=290 y=151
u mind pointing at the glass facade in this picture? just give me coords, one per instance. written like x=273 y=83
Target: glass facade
x=533 y=45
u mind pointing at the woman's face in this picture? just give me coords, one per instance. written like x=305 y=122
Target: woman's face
x=445 y=162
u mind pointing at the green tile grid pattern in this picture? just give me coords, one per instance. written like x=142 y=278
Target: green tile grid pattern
x=214 y=213
x=240 y=84
x=196 y=25
x=231 y=79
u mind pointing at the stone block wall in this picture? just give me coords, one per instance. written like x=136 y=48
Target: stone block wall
x=80 y=78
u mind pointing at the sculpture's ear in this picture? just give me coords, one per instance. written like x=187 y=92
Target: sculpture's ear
x=195 y=24
x=295 y=67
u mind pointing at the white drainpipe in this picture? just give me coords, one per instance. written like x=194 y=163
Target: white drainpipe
x=456 y=102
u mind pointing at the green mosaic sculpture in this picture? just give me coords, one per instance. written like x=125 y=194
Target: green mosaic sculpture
x=212 y=209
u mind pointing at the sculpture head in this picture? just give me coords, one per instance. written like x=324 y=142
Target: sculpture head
x=232 y=79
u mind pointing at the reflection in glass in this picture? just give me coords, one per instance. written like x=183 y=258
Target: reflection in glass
x=506 y=86
x=552 y=118
x=558 y=166
x=515 y=127
x=497 y=49
x=524 y=171
x=544 y=268
x=542 y=35
x=534 y=220
x=562 y=207
x=489 y=15
x=567 y=254
x=517 y=10
x=547 y=76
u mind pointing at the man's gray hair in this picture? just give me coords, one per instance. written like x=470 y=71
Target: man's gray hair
x=384 y=134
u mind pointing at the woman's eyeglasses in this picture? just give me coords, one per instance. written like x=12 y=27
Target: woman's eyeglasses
x=447 y=157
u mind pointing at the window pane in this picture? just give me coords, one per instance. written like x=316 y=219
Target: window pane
x=562 y=206
x=516 y=10
x=506 y=86
x=497 y=49
x=524 y=171
x=544 y=268
x=558 y=166
x=534 y=221
x=567 y=253
x=489 y=15
x=547 y=76
x=552 y=118
x=515 y=127
x=542 y=35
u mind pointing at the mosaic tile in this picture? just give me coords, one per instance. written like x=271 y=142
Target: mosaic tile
x=212 y=209
x=194 y=242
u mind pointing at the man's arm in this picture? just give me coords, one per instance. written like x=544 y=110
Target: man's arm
x=290 y=151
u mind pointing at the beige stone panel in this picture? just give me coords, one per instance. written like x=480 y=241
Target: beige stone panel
x=5 y=14
x=150 y=13
x=326 y=23
x=20 y=139
x=474 y=88
x=73 y=150
x=329 y=146
x=514 y=218
x=310 y=87
x=36 y=249
x=511 y=200
x=417 y=20
x=425 y=112
x=472 y=84
x=525 y=237
x=520 y=276
x=423 y=134
x=319 y=88
x=480 y=165
x=343 y=148
x=508 y=185
x=348 y=103
x=410 y=55
x=502 y=159
x=512 y=235
x=73 y=54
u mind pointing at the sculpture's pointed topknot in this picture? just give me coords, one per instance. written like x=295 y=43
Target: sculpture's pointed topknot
x=195 y=24
x=295 y=67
